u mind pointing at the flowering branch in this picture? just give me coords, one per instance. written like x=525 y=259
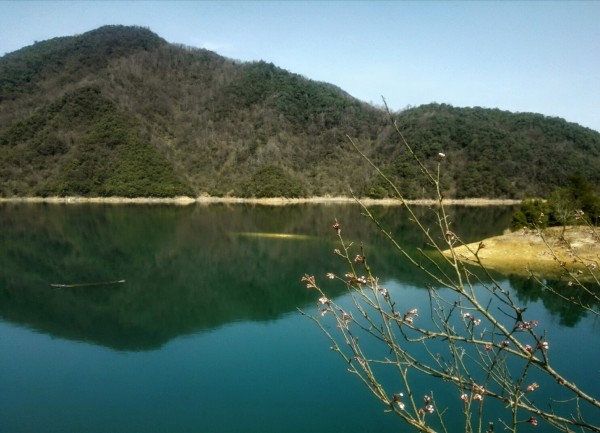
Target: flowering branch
x=475 y=337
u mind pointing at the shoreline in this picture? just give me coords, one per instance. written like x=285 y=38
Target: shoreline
x=524 y=251
x=271 y=201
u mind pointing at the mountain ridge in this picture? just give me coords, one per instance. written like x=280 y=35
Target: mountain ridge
x=211 y=125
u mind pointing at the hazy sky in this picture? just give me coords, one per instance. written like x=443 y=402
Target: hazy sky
x=520 y=56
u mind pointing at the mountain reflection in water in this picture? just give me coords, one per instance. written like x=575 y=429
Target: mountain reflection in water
x=189 y=269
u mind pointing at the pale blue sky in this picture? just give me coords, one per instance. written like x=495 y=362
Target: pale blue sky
x=520 y=56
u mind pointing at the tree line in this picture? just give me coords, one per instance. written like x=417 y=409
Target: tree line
x=222 y=127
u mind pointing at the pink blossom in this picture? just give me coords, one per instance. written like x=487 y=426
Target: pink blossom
x=323 y=300
x=310 y=281
x=478 y=389
x=532 y=387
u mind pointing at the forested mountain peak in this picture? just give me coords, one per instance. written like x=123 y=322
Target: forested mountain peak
x=22 y=70
x=80 y=114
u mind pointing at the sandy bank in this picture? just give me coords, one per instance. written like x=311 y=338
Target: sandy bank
x=109 y=200
x=274 y=201
x=515 y=253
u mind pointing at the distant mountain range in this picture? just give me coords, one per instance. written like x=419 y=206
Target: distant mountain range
x=118 y=111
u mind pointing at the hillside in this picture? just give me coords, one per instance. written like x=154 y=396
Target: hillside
x=119 y=111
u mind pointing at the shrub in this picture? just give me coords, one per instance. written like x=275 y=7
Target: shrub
x=532 y=213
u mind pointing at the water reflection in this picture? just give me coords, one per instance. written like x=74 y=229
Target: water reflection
x=189 y=269
x=528 y=290
x=186 y=269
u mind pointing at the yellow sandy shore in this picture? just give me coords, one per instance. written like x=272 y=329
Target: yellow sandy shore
x=276 y=201
x=524 y=250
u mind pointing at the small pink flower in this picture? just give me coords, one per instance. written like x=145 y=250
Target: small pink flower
x=323 y=300
x=397 y=398
x=330 y=275
x=464 y=397
x=533 y=421
x=310 y=281
x=532 y=387
x=478 y=389
x=429 y=408
x=545 y=345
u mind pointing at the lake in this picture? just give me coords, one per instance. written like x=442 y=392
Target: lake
x=204 y=334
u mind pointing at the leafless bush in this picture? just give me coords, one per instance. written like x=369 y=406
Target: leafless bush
x=475 y=338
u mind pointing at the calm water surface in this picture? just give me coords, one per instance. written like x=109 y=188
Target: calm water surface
x=204 y=335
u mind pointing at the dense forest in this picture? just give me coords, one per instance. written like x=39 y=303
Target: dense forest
x=118 y=111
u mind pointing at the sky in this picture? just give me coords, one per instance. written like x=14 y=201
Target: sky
x=520 y=56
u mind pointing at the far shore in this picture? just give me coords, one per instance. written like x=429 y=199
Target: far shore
x=272 y=201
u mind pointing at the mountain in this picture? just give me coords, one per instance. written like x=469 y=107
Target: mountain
x=119 y=111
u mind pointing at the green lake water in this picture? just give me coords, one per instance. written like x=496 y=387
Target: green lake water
x=204 y=334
